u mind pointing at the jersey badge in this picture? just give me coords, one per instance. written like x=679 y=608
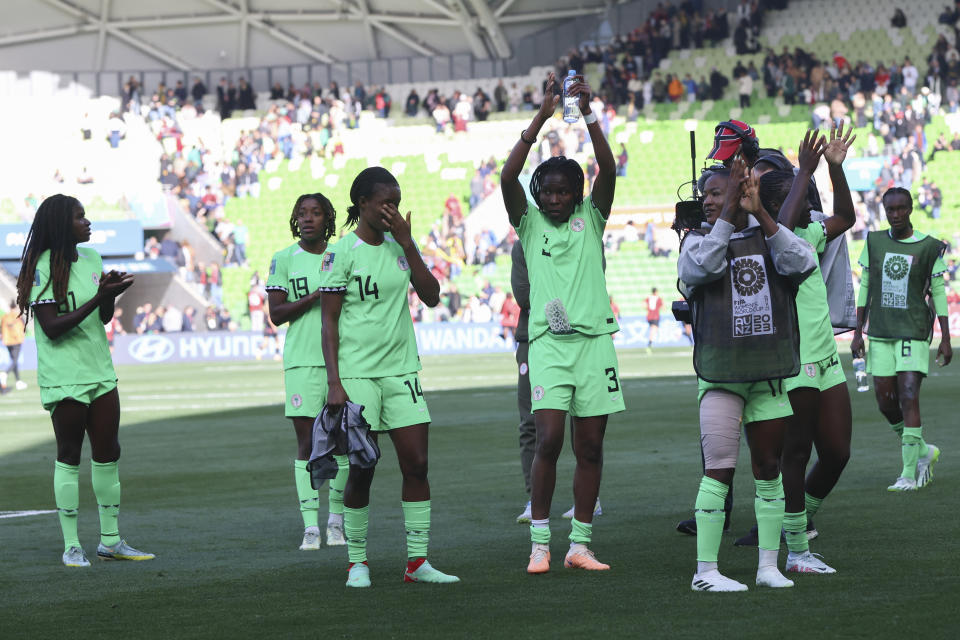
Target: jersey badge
x=524 y=368
x=577 y=224
x=538 y=393
x=36 y=278
x=327 y=264
x=811 y=370
x=402 y=263
x=296 y=400
x=96 y=279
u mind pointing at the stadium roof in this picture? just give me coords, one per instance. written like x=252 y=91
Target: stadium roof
x=114 y=35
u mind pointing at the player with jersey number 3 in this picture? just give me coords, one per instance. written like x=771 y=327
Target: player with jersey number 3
x=293 y=290
x=71 y=298
x=371 y=358
x=573 y=365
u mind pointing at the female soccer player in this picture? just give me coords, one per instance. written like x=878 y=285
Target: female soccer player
x=818 y=394
x=743 y=320
x=71 y=300
x=572 y=362
x=371 y=357
x=293 y=289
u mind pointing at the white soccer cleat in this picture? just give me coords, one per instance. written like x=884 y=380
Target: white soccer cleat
x=715 y=581
x=807 y=562
x=597 y=511
x=924 y=465
x=770 y=576
x=903 y=484
x=21 y=385
x=335 y=537
x=75 y=557
x=311 y=539
x=526 y=516
x=122 y=551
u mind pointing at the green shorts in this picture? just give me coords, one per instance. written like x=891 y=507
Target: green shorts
x=821 y=375
x=306 y=390
x=575 y=373
x=50 y=397
x=765 y=400
x=391 y=402
x=890 y=357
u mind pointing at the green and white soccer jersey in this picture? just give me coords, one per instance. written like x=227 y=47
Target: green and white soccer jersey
x=376 y=330
x=81 y=355
x=297 y=273
x=813 y=311
x=568 y=290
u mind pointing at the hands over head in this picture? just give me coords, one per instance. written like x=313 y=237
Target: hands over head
x=835 y=151
x=808 y=156
x=550 y=98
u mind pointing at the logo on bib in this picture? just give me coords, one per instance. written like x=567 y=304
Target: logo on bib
x=810 y=369
x=538 y=393
x=296 y=400
x=577 y=224
x=402 y=263
x=894 y=287
x=752 y=309
x=524 y=368
x=896 y=267
x=748 y=277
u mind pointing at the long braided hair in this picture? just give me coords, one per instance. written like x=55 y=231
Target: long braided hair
x=773 y=190
x=329 y=215
x=569 y=169
x=363 y=187
x=52 y=229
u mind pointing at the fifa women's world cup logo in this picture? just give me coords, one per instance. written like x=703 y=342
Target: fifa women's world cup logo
x=751 y=306
x=893 y=288
x=748 y=277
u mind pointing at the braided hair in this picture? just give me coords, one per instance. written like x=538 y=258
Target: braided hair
x=52 y=229
x=773 y=189
x=892 y=191
x=363 y=187
x=569 y=169
x=329 y=215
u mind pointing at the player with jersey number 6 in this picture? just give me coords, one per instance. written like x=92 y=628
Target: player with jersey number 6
x=573 y=365
x=293 y=291
x=64 y=286
x=371 y=357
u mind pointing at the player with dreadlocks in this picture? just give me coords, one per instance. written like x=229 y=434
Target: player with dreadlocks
x=371 y=359
x=572 y=362
x=71 y=299
x=293 y=289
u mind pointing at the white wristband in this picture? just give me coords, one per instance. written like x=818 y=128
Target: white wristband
x=589 y=118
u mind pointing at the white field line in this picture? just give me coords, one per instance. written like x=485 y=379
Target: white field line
x=24 y=514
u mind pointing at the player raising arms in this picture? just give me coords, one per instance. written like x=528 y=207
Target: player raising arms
x=71 y=299
x=371 y=356
x=902 y=269
x=573 y=365
x=818 y=394
x=293 y=289
x=737 y=273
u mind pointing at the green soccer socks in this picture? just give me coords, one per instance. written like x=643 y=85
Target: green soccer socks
x=795 y=531
x=769 y=508
x=912 y=449
x=355 y=525
x=540 y=531
x=812 y=504
x=308 y=496
x=105 y=477
x=337 y=485
x=709 y=515
x=580 y=532
x=416 y=520
x=66 y=493
x=897 y=429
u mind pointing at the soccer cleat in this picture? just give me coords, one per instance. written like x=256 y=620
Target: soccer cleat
x=359 y=575
x=925 y=466
x=75 y=557
x=770 y=576
x=807 y=562
x=423 y=572
x=715 y=581
x=903 y=484
x=526 y=516
x=597 y=511
x=335 y=537
x=311 y=539
x=21 y=385
x=811 y=530
x=122 y=551
x=539 y=559
x=579 y=557
x=688 y=527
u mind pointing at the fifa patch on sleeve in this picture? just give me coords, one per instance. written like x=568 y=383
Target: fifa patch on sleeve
x=273 y=266
x=327 y=264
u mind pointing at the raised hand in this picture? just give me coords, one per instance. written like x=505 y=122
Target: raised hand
x=835 y=151
x=398 y=225
x=550 y=100
x=739 y=177
x=114 y=283
x=750 y=196
x=808 y=156
x=580 y=87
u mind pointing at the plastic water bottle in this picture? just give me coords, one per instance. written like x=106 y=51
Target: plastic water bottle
x=860 y=371
x=571 y=104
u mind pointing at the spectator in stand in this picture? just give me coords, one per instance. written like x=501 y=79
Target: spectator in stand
x=413 y=104
x=899 y=20
x=197 y=92
x=188 y=318
x=718 y=84
x=744 y=89
x=509 y=316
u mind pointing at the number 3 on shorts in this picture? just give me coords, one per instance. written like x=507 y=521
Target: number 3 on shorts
x=612 y=376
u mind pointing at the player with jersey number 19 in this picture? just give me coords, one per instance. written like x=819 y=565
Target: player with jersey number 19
x=573 y=365
x=371 y=356
x=71 y=298
x=293 y=290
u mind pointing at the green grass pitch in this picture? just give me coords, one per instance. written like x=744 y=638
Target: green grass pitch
x=208 y=486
